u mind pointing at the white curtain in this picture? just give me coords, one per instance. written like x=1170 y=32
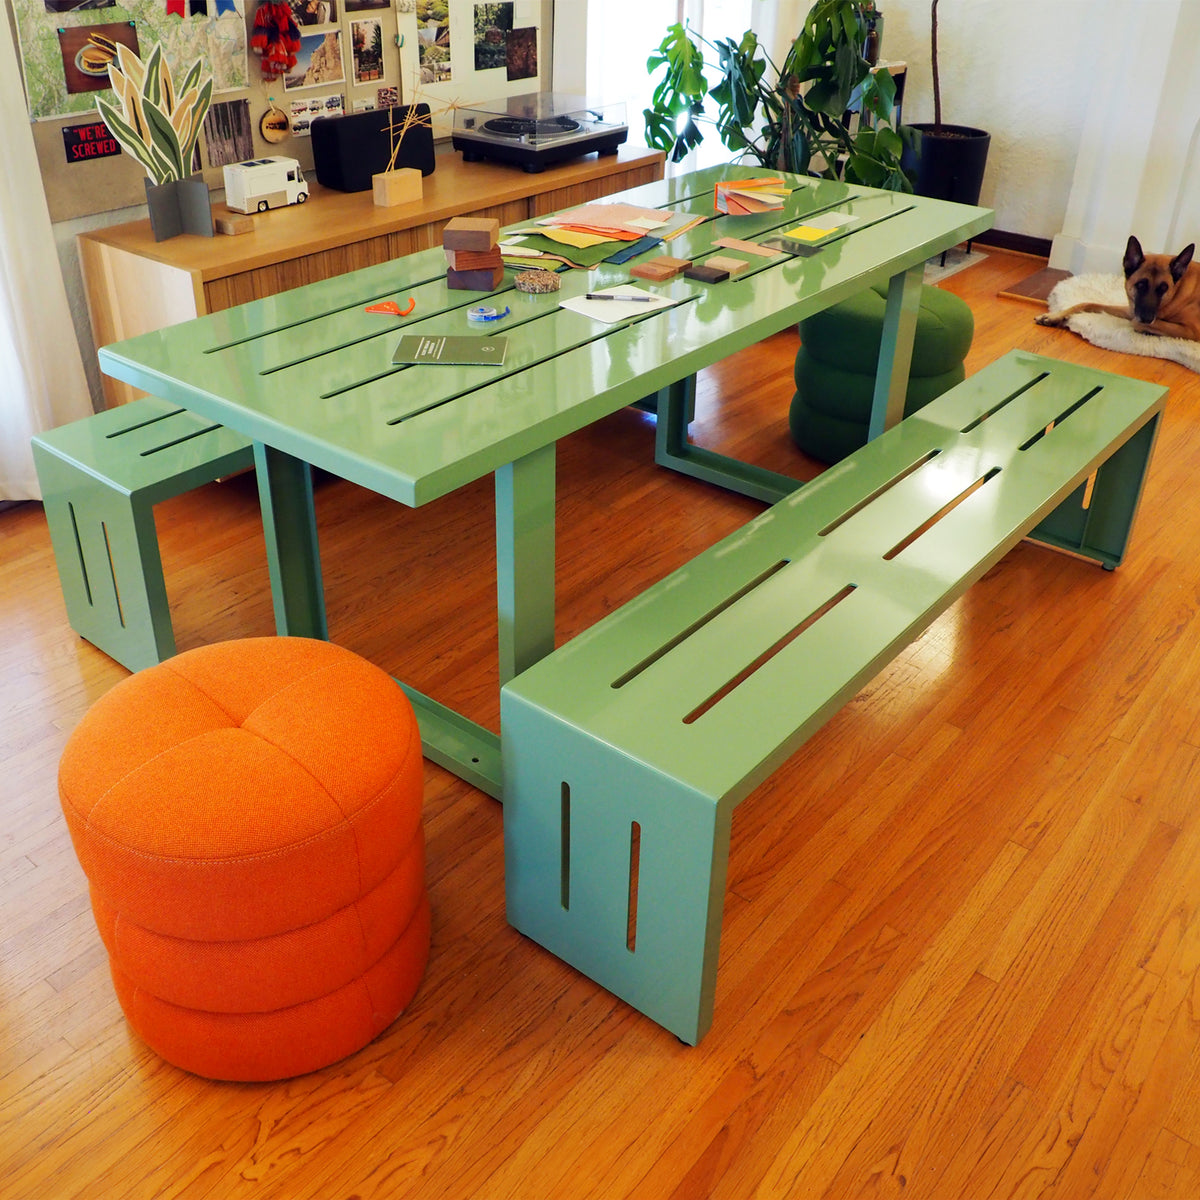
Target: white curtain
x=777 y=24
x=621 y=35
x=42 y=383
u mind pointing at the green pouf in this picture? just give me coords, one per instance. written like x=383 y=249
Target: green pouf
x=835 y=367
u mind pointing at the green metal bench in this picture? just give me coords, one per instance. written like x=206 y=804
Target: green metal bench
x=626 y=750
x=100 y=479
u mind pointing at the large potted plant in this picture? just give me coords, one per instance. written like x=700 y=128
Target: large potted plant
x=159 y=125
x=791 y=117
x=946 y=161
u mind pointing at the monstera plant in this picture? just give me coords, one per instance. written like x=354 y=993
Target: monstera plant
x=156 y=123
x=790 y=117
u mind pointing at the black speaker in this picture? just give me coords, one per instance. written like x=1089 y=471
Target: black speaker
x=348 y=150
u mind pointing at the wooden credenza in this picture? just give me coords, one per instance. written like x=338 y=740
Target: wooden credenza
x=134 y=284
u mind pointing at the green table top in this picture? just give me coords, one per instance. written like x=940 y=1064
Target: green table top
x=310 y=372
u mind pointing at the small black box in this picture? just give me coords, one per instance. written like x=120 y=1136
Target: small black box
x=348 y=150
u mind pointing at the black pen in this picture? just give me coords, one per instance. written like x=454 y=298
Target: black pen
x=642 y=299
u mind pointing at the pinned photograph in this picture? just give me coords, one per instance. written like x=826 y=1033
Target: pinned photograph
x=493 y=23
x=318 y=62
x=314 y=12
x=387 y=97
x=522 y=53
x=228 y=136
x=366 y=43
x=433 y=41
x=361 y=5
x=88 y=49
x=62 y=6
x=305 y=112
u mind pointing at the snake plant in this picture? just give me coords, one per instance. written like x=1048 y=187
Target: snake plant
x=156 y=122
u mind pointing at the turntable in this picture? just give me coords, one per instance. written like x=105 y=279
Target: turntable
x=537 y=130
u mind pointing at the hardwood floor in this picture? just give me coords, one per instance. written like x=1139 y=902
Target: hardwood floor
x=962 y=934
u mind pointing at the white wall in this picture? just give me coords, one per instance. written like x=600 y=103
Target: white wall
x=1021 y=69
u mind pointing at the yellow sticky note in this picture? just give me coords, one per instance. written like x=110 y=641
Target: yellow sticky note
x=806 y=233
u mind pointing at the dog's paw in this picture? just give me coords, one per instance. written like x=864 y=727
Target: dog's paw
x=1054 y=320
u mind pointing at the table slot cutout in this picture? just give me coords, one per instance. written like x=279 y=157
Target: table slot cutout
x=369 y=298
x=768 y=654
x=504 y=373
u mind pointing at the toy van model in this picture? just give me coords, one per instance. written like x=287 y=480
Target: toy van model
x=261 y=183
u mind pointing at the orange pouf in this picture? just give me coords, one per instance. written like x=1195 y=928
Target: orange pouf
x=249 y=819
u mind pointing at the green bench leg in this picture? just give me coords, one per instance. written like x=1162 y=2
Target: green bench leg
x=574 y=811
x=1101 y=529
x=106 y=551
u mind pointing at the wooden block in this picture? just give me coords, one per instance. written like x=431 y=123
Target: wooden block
x=474 y=260
x=475 y=281
x=706 y=274
x=661 y=268
x=471 y=233
x=234 y=223
x=401 y=186
x=723 y=262
x=731 y=243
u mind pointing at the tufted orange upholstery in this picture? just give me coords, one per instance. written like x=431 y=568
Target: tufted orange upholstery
x=248 y=816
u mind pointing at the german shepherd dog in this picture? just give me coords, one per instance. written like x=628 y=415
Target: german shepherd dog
x=1164 y=295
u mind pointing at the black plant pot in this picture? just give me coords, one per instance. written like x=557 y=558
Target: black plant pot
x=947 y=162
x=179 y=206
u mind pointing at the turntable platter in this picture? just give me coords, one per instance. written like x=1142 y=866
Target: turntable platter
x=519 y=127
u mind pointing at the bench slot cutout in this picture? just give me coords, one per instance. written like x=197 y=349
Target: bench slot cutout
x=768 y=654
x=945 y=510
x=991 y=412
x=883 y=489
x=564 y=884
x=635 y=865
x=83 y=571
x=1062 y=416
x=179 y=441
x=116 y=433
x=683 y=635
x=112 y=570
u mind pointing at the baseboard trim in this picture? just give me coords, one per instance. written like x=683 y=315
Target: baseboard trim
x=1020 y=243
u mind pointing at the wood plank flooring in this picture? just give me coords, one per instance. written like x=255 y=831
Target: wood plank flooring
x=962 y=936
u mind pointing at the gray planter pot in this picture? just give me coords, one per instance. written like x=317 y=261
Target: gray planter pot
x=179 y=206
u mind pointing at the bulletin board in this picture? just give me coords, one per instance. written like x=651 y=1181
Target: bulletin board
x=354 y=55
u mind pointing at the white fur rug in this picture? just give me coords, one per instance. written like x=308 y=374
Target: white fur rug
x=1114 y=333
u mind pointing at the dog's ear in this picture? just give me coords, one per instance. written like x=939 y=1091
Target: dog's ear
x=1179 y=264
x=1133 y=256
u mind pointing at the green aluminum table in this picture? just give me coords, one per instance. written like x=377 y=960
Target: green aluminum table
x=308 y=376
